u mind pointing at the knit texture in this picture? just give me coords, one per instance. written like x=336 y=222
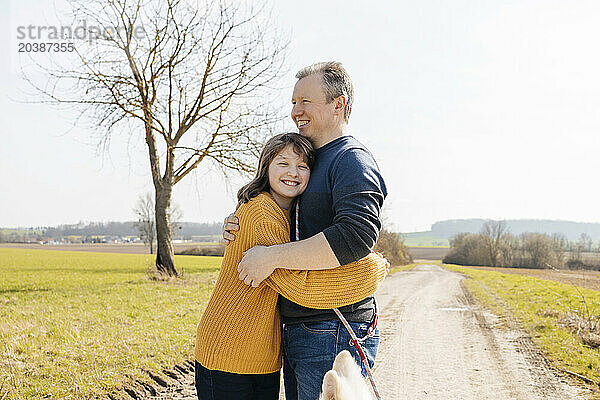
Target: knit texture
x=240 y=330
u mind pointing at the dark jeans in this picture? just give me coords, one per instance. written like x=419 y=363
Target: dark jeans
x=309 y=350
x=219 y=385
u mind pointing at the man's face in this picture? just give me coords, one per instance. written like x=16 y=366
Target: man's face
x=311 y=113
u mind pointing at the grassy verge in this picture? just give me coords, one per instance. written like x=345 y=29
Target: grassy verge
x=74 y=325
x=539 y=304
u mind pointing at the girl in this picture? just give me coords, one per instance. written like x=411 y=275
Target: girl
x=238 y=339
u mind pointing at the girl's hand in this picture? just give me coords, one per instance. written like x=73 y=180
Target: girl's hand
x=254 y=267
x=230 y=225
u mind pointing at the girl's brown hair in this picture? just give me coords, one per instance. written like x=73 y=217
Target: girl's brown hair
x=302 y=146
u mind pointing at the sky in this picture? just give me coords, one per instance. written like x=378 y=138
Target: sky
x=472 y=109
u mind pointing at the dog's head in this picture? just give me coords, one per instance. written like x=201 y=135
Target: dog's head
x=344 y=381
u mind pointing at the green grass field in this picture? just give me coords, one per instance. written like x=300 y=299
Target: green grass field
x=538 y=304
x=78 y=324
x=423 y=239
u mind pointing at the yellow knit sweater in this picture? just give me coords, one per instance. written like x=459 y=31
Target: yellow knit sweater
x=240 y=330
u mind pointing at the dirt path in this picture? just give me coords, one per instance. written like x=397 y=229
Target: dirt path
x=436 y=343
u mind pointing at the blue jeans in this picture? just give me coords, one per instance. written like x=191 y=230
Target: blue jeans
x=309 y=350
x=220 y=385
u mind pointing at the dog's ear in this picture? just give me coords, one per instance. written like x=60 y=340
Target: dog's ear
x=345 y=365
x=330 y=386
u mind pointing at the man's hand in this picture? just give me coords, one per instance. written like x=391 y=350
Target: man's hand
x=230 y=225
x=254 y=267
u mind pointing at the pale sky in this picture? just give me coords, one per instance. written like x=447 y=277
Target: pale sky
x=473 y=109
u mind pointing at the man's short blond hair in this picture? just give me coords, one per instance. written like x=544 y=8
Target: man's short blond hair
x=336 y=82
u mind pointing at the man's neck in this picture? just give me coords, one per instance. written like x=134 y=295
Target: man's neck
x=335 y=134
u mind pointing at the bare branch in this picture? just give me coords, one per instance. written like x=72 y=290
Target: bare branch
x=196 y=83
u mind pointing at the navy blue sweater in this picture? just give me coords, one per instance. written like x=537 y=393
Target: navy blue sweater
x=343 y=200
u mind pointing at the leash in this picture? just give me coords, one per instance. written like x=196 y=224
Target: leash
x=353 y=339
x=356 y=342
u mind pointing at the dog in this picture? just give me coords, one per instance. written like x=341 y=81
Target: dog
x=345 y=381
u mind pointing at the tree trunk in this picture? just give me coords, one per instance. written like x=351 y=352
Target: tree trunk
x=494 y=255
x=165 y=258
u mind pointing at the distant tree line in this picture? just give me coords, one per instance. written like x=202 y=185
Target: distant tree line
x=572 y=230
x=495 y=246
x=93 y=229
x=19 y=235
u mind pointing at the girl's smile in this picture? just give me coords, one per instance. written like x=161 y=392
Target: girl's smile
x=288 y=176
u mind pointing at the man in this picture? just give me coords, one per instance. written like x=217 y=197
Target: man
x=338 y=223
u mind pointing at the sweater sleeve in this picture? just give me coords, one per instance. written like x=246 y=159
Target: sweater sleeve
x=358 y=192
x=323 y=289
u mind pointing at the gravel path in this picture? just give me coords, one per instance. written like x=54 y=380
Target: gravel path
x=436 y=343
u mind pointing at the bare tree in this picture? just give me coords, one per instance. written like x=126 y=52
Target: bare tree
x=585 y=242
x=510 y=250
x=494 y=235
x=391 y=245
x=144 y=211
x=194 y=80
x=538 y=249
x=467 y=249
x=176 y=217
x=560 y=245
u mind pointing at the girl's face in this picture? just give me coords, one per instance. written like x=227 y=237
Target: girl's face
x=288 y=176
